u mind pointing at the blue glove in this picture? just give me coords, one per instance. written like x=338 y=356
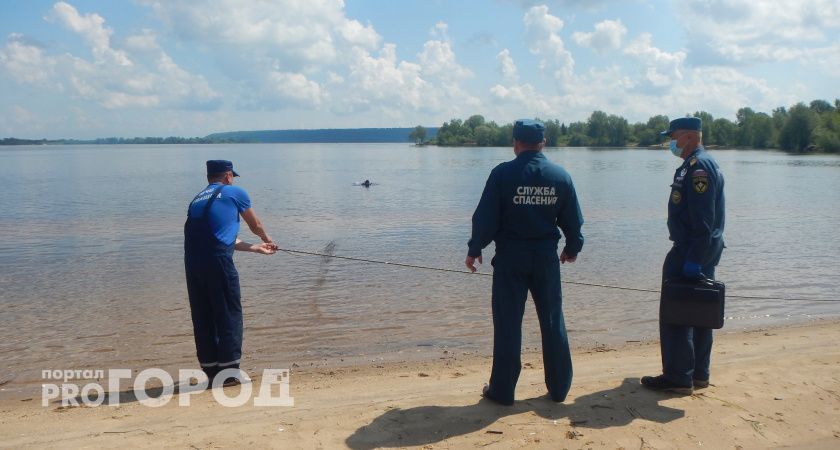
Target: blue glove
x=692 y=270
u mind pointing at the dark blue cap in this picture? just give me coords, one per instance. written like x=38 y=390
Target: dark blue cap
x=220 y=166
x=684 y=123
x=530 y=131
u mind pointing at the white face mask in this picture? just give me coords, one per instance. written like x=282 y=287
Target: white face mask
x=674 y=149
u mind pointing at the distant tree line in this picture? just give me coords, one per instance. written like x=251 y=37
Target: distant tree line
x=16 y=141
x=329 y=135
x=147 y=140
x=114 y=141
x=812 y=127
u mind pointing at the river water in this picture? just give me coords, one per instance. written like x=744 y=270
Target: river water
x=92 y=272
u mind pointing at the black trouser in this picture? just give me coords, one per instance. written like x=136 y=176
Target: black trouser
x=686 y=351
x=517 y=271
x=213 y=287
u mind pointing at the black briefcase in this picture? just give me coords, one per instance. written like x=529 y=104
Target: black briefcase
x=694 y=303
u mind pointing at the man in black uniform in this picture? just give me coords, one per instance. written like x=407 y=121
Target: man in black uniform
x=210 y=237
x=695 y=225
x=522 y=206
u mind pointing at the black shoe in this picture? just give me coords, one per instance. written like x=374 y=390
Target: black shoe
x=663 y=384
x=231 y=381
x=700 y=384
x=211 y=373
x=485 y=392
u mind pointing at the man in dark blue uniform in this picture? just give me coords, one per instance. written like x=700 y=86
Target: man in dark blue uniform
x=522 y=206
x=695 y=225
x=210 y=237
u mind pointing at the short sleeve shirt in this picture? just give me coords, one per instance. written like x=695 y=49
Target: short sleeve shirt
x=224 y=212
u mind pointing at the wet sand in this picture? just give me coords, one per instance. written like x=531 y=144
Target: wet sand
x=770 y=388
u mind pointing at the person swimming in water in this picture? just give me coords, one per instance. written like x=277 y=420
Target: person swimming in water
x=366 y=183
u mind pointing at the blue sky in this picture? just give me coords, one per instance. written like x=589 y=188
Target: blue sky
x=87 y=69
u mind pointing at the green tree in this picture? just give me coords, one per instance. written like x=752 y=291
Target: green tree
x=725 y=132
x=418 y=134
x=597 y=128
x=504 y=136
x=821 y=106
x=577 y=127
x=780 y=115
x=474 y=121
x=578 y=139
x=648 y=133
x=618 y=131
x=745 y=126
x=454 y=132
x=483 y=135
x=763 y=133
x=798 y=128
x=552 y=133
x=827 y=132
x=708 y=125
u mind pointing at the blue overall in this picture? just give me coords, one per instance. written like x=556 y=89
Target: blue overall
x=523 y=204
x=213 y=288
x=695 y=224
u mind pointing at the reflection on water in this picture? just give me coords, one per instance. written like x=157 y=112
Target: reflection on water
x=803 y=162
x=92 y=273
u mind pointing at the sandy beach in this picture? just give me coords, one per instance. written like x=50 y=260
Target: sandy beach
x=770 y=388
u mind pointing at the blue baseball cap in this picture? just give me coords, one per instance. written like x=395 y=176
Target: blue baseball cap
x=684 y=123
x=530 y=131
x=220 y=166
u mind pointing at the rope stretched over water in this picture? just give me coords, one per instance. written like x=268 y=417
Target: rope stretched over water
x=577 y=283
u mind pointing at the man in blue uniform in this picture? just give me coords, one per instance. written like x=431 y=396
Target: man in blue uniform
x=210 y=237
x=695 y=225
x=522 y=206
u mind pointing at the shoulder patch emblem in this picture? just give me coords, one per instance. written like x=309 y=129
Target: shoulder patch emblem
x=701 y=184
x=676 y=197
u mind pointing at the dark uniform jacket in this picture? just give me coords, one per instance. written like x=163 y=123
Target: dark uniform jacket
x=696 y=208
x=523 y=204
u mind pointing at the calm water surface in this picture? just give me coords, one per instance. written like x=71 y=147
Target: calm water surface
x=92 y=272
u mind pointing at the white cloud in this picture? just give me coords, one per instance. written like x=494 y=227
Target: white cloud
x=16 y=119
x=437 y=59
x=507 y=66
x=291 y=33
x=661 y=68
x=293 y=53
x=607 y=36
x=401 y=91
x=92 y=28
x=607 y=87
x=440 y=30
x=26 y=63
x=114 y=78
x=732 y=31
x=146 y=41
x=586 y=5
x=726 y=89
x=523 y=97
x=542 y=29
x=296 y=89
x=182 y=87
x=383 y=80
